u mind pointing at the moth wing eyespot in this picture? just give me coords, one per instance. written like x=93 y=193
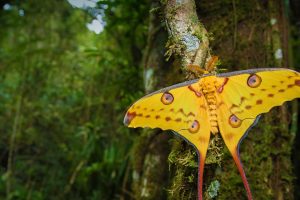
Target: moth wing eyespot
x=254 y=81
x=195 y=126
x=234 y=121
x=167 y=98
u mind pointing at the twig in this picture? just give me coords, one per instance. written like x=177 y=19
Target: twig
x=74 y=175
x=12 y=146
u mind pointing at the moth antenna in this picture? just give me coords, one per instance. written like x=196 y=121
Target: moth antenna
x=211 y=64
x=196 y=69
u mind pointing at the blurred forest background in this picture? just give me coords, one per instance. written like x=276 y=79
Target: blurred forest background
x=70 y=69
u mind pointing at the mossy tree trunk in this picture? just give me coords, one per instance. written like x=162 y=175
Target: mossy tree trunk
x=245 y=39
x=151 y=150
x=244 y=34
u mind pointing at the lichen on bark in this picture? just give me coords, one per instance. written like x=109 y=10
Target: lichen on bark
x=188 y=38
x=189 y=43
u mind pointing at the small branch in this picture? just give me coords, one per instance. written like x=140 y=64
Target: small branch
x=74 y=175
x=12 y=146
x=187 y=36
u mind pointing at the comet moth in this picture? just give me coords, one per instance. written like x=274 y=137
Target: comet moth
x=228 y=104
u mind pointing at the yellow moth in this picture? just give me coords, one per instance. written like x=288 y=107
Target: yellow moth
x=227 y=103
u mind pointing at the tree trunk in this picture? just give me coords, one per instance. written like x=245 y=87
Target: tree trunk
x=242 y=39
x=150 y=153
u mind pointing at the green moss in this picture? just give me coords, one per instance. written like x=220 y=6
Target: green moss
x=174 y=47
x=265 y=152
x=215 y=150
x=183 y=159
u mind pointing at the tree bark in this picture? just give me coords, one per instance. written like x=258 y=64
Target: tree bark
x=187 y=36
x=150 y=153
x=242 y=40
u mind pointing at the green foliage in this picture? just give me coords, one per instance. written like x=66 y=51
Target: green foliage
x=63 y=94
x=64 y=91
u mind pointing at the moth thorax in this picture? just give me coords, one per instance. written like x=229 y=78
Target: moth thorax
x=208 y=89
